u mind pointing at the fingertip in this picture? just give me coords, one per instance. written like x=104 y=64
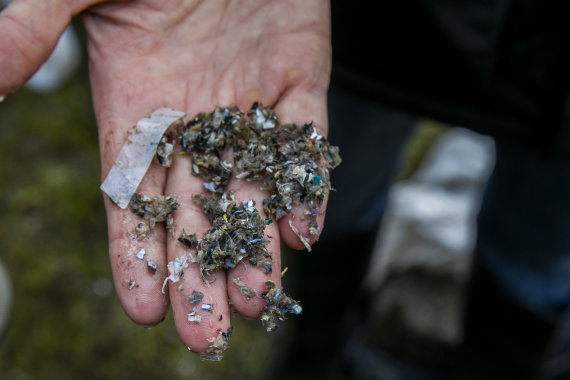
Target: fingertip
x=299 y=230
x=29 y=31
x=199 y=338
x=246 y=285
x=144 y=307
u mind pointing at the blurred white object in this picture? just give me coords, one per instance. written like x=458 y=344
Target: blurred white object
x=60 y=66
x=5 y=298
x=430 y=220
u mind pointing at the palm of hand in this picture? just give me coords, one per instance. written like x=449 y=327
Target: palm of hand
x=191 y=56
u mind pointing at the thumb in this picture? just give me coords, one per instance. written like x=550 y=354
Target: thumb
x=29 y=31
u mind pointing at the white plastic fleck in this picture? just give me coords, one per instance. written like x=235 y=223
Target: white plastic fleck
x=207 y=306
x=2 y=98
x=175 y=268
x=192 y=317
x=137 y=154
x=140 y=254
x=303 y=239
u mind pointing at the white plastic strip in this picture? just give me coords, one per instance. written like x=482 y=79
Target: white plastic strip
x=136 y=155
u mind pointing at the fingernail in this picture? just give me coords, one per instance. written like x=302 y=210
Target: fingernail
x=2 y=98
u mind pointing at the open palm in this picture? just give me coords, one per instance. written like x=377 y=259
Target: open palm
x=193 y=55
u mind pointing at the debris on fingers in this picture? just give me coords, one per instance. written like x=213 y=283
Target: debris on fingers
x=291 y=162
x=217 y=347
x=215 y=171
x=303 y=239
x=175 y=269
x=237 y=233
x=245 y=290
x=195 y=297
x=278 y=306
x=142 y=230
x=156 y=209
x=151 y=265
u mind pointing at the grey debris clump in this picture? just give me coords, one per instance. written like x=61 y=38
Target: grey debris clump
x=245 y=290
x=211 y=131
x=278 y=306
x=165 y=152
x=217 y=347
x=212 y=169
x=237 y=232
x=156 y=209
x=292 y=161
x=142 y=230
x=195 y=297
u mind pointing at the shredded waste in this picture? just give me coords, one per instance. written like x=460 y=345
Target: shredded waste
x=245 y=290
x=142 y=230
x=175 y=269
x=156 y=209
x=217 y=347
x=237 y=232
x=291 y=162
x=278 y=306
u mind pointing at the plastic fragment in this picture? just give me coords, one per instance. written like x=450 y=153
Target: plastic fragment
x=245 y=290
x=142 y=230
x=140 y=254
x=303 y=239
x=176 y=269
x=2 y=98
x=208 y=307
x=217 y=347
x=192 y=317
x=136 y=155
x=195 y=297
x=164 y=152
x=151 y=265
x=189 y=240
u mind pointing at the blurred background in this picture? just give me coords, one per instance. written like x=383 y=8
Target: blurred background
x=62 y=319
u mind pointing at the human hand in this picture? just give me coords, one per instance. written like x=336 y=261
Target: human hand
x=193 y=55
